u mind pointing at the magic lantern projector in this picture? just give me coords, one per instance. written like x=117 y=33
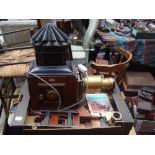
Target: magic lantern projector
x=52 y=77
x=54 y=81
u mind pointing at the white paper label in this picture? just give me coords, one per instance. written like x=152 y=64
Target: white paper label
x=18 y=118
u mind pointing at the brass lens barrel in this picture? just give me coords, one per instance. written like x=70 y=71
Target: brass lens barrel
x=99 y=82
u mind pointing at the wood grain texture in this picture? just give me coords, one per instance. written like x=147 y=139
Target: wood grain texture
x=16 y=56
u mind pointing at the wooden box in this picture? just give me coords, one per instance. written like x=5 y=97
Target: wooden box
x=133 y=81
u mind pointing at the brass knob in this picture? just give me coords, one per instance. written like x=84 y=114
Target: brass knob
x=52 y=95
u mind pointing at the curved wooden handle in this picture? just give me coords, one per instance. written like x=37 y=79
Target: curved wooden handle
x=113 y=67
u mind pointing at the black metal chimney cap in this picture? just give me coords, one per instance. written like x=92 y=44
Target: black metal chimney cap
x=50 y=36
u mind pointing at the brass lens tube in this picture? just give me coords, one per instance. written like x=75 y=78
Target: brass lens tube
x=97 y=82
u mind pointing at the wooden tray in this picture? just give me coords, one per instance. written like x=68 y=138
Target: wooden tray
x=23 y=122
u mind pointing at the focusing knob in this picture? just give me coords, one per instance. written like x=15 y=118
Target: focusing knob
x=52 y=95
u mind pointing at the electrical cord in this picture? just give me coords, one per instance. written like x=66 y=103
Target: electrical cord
x=79 y=102
x=50 y=86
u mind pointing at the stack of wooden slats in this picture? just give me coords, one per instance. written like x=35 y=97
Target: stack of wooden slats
x=16 y=63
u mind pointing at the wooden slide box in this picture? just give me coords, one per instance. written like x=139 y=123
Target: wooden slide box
x=133 y=81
